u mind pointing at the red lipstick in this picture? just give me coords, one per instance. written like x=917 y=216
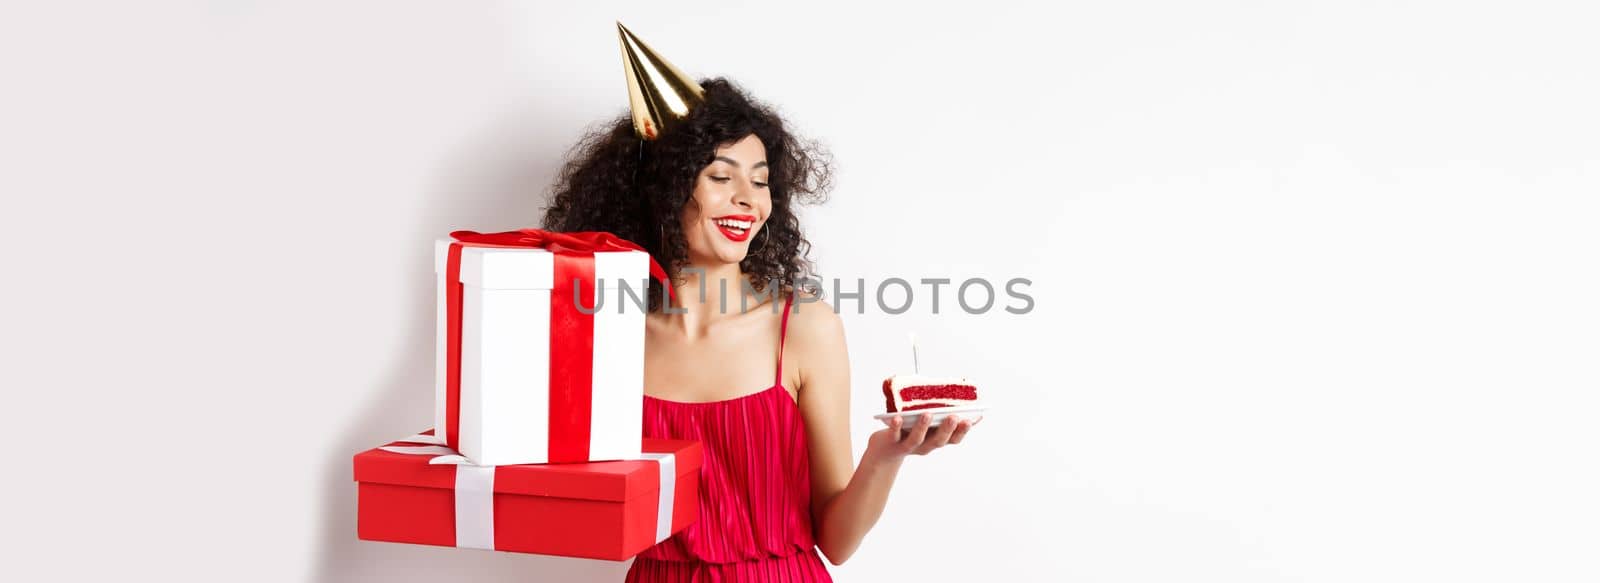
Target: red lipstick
x=736 y=228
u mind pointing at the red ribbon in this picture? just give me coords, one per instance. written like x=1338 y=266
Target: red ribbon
x=571 y=330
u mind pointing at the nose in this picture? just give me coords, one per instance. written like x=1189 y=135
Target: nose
x=744 y=195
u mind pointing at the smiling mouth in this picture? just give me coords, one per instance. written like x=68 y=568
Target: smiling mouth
x=735 y=227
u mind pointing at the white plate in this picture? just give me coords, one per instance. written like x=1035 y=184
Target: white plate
x=910 y=417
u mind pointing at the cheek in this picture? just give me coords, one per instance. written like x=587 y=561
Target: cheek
x=705 y=196
x=687 y=222
x=691 y=207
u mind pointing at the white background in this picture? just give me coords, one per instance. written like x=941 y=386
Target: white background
x=1315 y=281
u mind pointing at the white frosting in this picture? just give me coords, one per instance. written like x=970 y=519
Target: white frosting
x=912 y=380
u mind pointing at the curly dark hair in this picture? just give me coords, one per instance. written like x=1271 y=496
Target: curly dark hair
x=613 y=181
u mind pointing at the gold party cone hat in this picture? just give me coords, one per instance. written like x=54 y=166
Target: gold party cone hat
x=658 y=92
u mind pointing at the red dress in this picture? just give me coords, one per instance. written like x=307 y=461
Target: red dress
x=755 y=490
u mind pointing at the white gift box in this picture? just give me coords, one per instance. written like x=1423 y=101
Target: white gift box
x=511 y=410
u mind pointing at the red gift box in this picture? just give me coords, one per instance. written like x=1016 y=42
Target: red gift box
x=425 y=494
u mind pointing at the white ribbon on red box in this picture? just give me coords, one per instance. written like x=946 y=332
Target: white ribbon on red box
x=474 y=490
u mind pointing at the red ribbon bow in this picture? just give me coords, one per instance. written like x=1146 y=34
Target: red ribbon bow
x=579 y=242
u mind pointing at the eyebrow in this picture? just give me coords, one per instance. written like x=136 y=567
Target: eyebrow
x=760 y=164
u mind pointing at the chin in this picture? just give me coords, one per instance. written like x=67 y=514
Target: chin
x=730 y=256
x=721 y=251
x=717 y=255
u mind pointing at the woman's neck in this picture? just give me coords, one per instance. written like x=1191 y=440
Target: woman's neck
x=708 y=294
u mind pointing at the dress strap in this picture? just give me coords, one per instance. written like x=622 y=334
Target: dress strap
x=783 y=333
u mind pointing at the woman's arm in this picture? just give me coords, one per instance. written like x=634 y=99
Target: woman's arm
x=845 y=504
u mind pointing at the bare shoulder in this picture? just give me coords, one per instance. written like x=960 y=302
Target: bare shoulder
x=813 y=320
x=816 y=346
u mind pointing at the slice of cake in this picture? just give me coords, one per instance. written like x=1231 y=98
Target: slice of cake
x=912 y=392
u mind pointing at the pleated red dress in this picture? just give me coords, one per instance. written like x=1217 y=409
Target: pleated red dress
x=755 y=490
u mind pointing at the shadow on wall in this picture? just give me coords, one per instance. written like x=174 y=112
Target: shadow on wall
x=498 y=181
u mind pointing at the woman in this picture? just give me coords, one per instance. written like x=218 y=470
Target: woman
x=712 y=200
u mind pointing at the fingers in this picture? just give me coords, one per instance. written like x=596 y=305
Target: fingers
x=921 y=438
x=939 y=437
x=961 y=431
x=917 y=434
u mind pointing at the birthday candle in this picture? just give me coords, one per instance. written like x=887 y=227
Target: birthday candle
x=914 y=368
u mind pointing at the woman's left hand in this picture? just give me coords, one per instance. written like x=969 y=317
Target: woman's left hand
x=893 y=444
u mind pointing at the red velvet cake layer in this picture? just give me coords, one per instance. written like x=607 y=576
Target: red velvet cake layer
x=925 y=392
